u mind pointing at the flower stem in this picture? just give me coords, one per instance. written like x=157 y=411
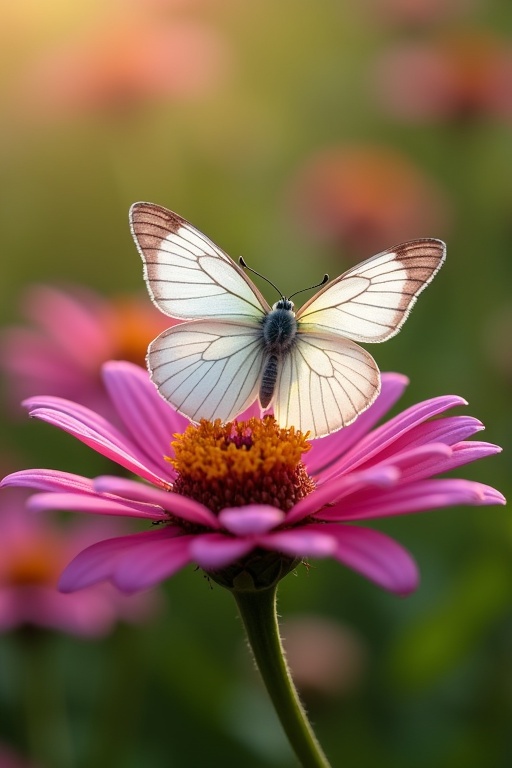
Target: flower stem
x=259 y=615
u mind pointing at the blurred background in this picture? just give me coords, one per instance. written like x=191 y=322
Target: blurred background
x=305 y=136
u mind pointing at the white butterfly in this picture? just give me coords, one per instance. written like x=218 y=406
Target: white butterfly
x=236 y=348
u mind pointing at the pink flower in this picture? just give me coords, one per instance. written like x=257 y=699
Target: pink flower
x=234 y=498
x=73 y=333
x=128 y=57
x=33 y=552
x=458 y=77
x=10 y=759
x=338 y=664
x=341 y=195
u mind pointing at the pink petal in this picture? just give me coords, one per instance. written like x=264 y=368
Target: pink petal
x=251 y=520
x=94 y=431
x=327 y=451
x=460 y=454
x=212 y=551
x=29 y=354
x=98 y=562
x=150 y=421
x=421 y=461
x=89 y=613
x=304 y=541
x=97 y=505
x=75 y=324
x=151 y=563
x=333 y=490
x=491 y=496
x=376 y=556
x=419 y=496
x=253 y=411
x=179 y=506
x=448 y=430
x=378 y=440
x=48 y=480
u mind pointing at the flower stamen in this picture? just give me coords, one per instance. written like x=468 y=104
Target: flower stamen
x=239 y=463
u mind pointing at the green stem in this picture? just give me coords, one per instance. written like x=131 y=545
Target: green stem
x=259 y=614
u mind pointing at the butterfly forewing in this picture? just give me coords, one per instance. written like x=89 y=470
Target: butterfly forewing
x=207 y=370
x=371 y=301
x=188 y=276
x=324 y=384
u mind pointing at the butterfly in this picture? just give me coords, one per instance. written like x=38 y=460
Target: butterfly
x=235 y=348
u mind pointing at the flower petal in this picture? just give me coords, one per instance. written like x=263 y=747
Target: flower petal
x=251 y=520
x=419 y=496
x=75 y=324
x=376 y=556
x=421 y=461
x=212 y=551
x=448 y=430
x=98 y=505
x=179 y=506
x=148 y=418
x=94 y=431
x=333 y=490
x=305 y=541
x=377 y=441
x=48 y=480
x=151 y=563
x=98 y=562
x=458 y=455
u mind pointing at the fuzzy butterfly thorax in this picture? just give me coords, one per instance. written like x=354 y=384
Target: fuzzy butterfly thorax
x=279 y=327
x=234 y=349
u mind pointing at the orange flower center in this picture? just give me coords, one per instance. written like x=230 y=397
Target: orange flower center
x=34 y=565
x=133 y=325
x=239 y=463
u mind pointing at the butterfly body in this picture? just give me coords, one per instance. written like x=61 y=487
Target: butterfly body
x=233 y=348
x=279 y=329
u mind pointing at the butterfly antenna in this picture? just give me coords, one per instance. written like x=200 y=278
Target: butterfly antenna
x=243 y=264
x=323 y=282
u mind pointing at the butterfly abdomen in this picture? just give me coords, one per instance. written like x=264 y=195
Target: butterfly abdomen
x=279 y=329
x=268 y=380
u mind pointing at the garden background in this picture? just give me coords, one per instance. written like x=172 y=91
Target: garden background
x=307 y=137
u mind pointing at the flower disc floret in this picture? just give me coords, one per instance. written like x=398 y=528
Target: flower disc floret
x=242 y=462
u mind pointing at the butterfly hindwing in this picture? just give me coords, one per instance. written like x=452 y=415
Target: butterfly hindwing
x=188 y=276
x=324 y=383
x=371 y=301
x=207 y=370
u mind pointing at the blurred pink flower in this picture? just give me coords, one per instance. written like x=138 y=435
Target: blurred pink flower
x=366 y=197
x=74 y=332
x=33 y=551
x=239 y=497
x=130 y=56
x=10 y=759
x=327 y=659
x=458 y=77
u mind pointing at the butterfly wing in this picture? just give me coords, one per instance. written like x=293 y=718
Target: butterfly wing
x=324 y=383
x=371 y=301
x=207 y=370
x=188 y=276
